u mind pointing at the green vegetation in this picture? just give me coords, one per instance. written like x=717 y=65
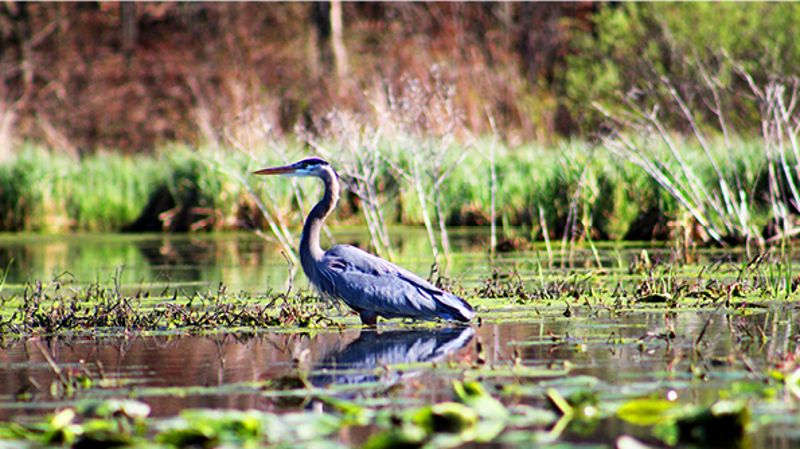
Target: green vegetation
x=476 y=417
x=50 y=310
x=646 y=281
x=45 y=192
x=708 y=84
x=527 y=404
x=667 y=121
x=694 y=136
x=562 y=192
x=703 y=50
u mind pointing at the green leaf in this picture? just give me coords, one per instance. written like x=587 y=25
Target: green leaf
x=449 y=417
x=646 y=412
x=405 y=437
x=63 y=418
x=475 y=395
x=523 y=415
x=128 y=407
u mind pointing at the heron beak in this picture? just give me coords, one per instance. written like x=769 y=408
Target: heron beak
x=276 y=170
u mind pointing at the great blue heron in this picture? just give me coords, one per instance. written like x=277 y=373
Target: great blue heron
x=368 y=284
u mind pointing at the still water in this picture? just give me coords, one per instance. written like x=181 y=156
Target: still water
x=198 y=262
x=247 y=262
x=630 y=353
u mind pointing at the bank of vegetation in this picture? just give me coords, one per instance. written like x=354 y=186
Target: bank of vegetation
x=616 y=122
x=582 y=190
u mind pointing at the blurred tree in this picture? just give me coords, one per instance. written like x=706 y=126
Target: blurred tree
x=130 y=30
x=321 y=20
x=636 y=46
x=132 y=76
x=339 y=53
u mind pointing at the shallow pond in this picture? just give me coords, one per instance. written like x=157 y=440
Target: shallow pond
x=608 y=352
x=247 y=262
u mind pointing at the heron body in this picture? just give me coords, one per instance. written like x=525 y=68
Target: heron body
x=369 y=285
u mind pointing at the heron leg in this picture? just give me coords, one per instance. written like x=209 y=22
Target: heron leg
x=368 y=318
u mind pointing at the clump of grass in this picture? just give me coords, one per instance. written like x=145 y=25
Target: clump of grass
x=29 y=194
x=720 y=192
x=16 y=195
x=47 y=192
x=511 y=285
x=503 y=285
x=42 y=191
x=106 y=192
x=572 y=190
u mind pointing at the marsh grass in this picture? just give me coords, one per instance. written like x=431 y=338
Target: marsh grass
x=106 y=192
x=716 y=183
x=666 y=280
x=64 y=305
x=49 y=193
x=564 y=195
x=519 y=393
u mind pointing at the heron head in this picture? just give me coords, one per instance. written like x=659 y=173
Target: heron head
x=312 y=166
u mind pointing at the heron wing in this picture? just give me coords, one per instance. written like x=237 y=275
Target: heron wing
x=367 y=282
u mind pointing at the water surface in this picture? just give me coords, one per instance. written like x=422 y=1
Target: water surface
x=518 y=350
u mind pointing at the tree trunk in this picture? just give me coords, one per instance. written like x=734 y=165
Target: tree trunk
x=339 y=52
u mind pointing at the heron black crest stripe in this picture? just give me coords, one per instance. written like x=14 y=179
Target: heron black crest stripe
x=311 y=162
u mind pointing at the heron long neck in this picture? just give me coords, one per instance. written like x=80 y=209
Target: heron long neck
x=310 y=249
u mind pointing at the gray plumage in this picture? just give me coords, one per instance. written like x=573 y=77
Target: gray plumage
x=368 y=284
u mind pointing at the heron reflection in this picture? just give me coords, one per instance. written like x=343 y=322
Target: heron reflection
x=356 y=363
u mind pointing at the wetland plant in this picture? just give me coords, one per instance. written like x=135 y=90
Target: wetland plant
x=721 y=195
x=472 y=416
x=363 y=168
x=53 y=309
x=413 y=141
